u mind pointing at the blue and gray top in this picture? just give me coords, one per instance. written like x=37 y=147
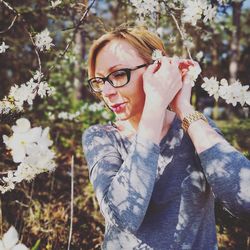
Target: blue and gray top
x=162 y=196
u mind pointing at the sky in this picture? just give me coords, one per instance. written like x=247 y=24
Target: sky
x=246 y=4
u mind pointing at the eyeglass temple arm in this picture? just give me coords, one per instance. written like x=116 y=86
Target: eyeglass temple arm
x=143 y=65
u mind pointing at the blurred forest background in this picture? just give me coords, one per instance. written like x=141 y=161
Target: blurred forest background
x=41 y=209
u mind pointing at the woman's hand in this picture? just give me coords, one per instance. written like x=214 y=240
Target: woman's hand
x=181 y=104
x=161 y=82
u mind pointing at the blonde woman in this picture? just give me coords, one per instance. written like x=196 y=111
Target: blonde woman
x=156 y=172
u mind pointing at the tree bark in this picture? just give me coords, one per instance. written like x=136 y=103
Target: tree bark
x=234 y=60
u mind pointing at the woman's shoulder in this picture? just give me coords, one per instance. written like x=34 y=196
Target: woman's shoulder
x=101 y=131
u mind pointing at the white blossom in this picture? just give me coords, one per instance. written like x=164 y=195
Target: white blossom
x=224 y=89
x=22 y=137
x=106 y=115
x=145 y=7
x=96 y=107
x=44 y=89
x=3 y=47
x=38 y=75
x=236 y=93
x=232 y=94
x=188 y=44
x=193 y=10
x=160 y=31
x=157 y=54
x=209 y=13
x=193 y=73
x=69 y=116
x=43 y=40
x=10 y=241
x=21 y=94
x=211 y=86
x=26 y=92
x=199 y=55
x=55 y=3
x=29 y=147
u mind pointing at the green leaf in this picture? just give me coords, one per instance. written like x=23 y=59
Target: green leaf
x=36 y=246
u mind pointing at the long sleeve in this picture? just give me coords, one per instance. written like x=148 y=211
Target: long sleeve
x=228 y=173
x=123 y=187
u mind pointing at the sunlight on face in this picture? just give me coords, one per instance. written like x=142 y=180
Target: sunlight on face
x=119 y=54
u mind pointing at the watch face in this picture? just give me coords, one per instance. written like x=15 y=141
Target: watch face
x=191 y=118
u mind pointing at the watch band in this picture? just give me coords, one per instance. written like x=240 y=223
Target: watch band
x=191 y=118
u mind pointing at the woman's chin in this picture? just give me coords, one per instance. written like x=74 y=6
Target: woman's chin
x=122 y=116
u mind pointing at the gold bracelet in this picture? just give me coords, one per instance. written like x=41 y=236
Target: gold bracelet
x=191 y=118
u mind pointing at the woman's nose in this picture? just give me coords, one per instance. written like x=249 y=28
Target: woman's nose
x=108 y=89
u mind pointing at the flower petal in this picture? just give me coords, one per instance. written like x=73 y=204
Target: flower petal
x=2 y=247
x=10 y=238
x=20 y=246
x=18 y=153
x=23 y=125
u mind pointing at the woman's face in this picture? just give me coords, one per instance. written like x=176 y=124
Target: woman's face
x=116 y=55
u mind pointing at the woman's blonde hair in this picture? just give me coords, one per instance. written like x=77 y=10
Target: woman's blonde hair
x=143 y=40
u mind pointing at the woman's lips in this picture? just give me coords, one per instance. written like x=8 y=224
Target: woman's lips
x=118 y=108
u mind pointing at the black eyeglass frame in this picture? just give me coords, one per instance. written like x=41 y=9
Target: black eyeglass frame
x=127 y=70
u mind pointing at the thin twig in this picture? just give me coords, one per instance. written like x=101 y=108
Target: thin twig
x=80 y=22
x=37 y=55
x=9 y=7
x=179 y=29
x=29 y=205
x=72 y=201
x=1 y=219
x=30 y=35
x=10 y=26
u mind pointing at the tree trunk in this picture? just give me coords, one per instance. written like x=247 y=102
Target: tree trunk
x=233 y=66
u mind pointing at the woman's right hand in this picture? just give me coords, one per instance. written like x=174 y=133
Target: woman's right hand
x=161 y=82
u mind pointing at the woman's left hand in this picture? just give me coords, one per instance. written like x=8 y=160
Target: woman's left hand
x=181 y=102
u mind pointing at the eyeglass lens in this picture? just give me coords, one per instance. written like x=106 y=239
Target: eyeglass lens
x=117 y=79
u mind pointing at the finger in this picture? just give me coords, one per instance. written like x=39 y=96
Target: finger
x=152 y=68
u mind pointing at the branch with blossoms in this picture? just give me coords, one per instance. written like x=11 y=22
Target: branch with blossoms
x=30 y=147
x=192 y=12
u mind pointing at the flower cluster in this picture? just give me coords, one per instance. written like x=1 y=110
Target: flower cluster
x=191 y=68
x=10 y=241
x=43 y=41
x=30 y=148
x=95 y=107
x=195 y=9
x=193 y=73
x=232 y=94
x=3 y=47
x=144 y=7
x=55 y=3
x=25 y=93
x=157 y=54
x=68 y=116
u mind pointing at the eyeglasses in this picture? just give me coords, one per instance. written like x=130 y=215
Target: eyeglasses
x=117 y=79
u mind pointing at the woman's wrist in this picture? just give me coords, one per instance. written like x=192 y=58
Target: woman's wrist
x=184 y=111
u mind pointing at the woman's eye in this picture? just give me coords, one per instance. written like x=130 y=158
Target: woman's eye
x=120 y=73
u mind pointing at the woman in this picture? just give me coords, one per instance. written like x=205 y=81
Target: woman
x=155 y=172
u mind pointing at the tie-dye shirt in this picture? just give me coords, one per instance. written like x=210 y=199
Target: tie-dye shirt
x=162 y=196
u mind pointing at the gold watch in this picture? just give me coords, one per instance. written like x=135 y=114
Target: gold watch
x=196 y=115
